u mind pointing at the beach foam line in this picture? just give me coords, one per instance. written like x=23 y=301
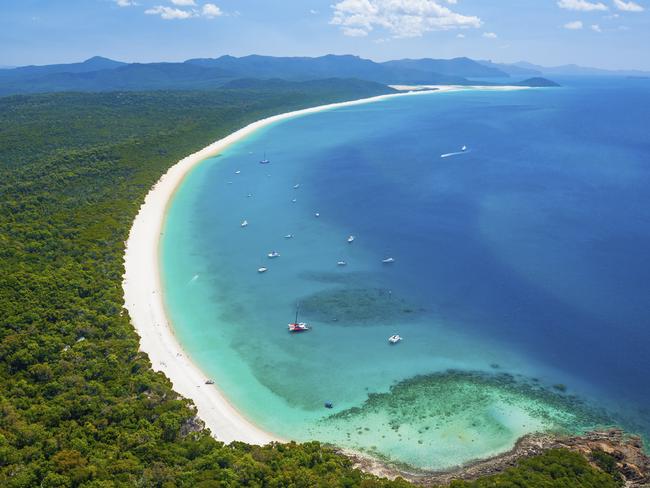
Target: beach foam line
x=143 y=290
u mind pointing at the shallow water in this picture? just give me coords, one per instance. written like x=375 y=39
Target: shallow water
x=527 y=255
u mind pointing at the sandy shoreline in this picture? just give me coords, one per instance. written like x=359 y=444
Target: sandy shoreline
x=143 y=288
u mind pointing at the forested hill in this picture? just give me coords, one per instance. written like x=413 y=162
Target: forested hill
x=80 y=406
x=101 y=74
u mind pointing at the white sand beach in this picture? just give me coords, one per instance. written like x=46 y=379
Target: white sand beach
x=143 y=288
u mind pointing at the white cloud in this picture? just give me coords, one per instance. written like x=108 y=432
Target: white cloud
x=210 y=10
x=401 y=18
x=628 y=6
x=169 y=13
x=581 y=5
x=490 y=35
x=125 y=3
x=184 y=3
x=354 y=32
x=596 y=28
x=575 y=25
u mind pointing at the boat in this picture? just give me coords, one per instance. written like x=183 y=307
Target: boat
x=329 y=405
x=262 y=269
x=209 y=382
x=237 y=172
x=249 y=195
x=341 y=263
x=294 y=200
x=289 y=236
x=394 y=339
x=265 y=161
x=273 y=254
x=316 y=214
x=296 y=326
x=388 y=260
x=350 y=239
x=464 y=148
x=296 y=186
x=244 y=223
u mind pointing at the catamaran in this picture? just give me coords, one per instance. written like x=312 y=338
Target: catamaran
x=298 y=326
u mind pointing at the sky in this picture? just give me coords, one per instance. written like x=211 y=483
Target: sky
x=612 y=34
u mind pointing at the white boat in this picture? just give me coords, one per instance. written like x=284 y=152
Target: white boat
x=350 y=239
x=464 y=148
x=262 y=269
x=265 y=160
x=394 y=339
x=244 y=223
x=273 y=254
x=296 y=186
x=388 y=260
x=316 y=214
x=294 y=200
x=341 y=263
x=289 y=236
x=237 y=172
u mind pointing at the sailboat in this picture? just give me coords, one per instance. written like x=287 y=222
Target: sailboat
x=298 y=326
x=265 y=161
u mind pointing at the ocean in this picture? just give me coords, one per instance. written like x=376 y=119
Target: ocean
x=520 y=282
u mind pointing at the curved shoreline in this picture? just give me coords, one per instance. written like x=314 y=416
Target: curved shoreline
x=143 y=290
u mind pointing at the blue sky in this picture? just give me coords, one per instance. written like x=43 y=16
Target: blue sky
x=602 y=33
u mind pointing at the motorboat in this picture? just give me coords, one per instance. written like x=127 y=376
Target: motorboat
x=350 y=239
x=394 y=339
x=464 y=148
x=317 y=215
x=341 y=263
x=296 y=186
x=237 y=172
x=388 y=260
x=244 y=223
x=262 y=269
x=294 y=200
x=289 y=236
x=273 y=254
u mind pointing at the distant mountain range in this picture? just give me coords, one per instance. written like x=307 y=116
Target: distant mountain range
x=102 y=74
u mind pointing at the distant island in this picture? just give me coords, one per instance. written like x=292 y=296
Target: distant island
x=100 y=74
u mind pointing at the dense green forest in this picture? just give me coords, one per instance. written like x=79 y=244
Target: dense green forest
x=79 y=405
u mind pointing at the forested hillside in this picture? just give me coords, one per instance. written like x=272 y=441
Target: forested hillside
x=79 y=405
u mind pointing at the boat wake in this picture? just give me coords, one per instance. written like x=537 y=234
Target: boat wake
x=458 y=153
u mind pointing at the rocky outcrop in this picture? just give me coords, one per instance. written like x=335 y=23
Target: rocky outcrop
x=631 y=461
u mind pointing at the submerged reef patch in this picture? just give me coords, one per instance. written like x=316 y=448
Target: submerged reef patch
x=442 y=420
x=358 y=306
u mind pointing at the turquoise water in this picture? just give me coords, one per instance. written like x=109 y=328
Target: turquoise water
x=520 y=279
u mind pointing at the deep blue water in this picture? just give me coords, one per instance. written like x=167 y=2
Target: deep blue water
x=531 y=250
